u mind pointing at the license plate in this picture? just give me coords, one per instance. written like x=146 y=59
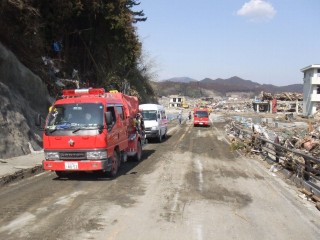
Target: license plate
x=71 y=165
x=201 y=123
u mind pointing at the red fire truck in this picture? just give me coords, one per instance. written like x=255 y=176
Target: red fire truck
x=201 y=117
x=91 y=130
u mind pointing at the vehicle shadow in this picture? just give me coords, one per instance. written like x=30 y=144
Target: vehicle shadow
x=125 y=168
x=202 y=126
x=156 y=141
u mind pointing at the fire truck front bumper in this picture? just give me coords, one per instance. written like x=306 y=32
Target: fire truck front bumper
x=58 y=165
x=201 y=123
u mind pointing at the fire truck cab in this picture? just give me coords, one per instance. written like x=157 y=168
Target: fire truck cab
x=90 y=130
x=201 y=117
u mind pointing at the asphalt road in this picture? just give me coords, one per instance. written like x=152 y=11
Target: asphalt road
x=191 y=186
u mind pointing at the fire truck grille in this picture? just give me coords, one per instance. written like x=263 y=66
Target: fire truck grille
x=72 y=155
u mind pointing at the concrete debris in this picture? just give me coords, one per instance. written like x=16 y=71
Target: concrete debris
x=303 y=197
x=275 y=168
x=292 y=135
x=285 y=102
x=292 y=145
x=284 y=96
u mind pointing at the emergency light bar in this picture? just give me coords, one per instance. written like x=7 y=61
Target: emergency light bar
x=81 y=92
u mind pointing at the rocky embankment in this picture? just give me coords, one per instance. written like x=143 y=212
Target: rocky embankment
x=22 y=96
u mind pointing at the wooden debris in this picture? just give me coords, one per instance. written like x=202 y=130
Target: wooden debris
x=306 y=192
x=285 y=96
x=315 y=198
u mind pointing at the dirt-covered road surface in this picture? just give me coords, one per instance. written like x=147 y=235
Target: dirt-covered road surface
x=191 y=186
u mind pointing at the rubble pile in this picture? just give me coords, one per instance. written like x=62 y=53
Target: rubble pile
x=284 y=96
x=316 y=116
x=295 y=144
x=233 y=105
x=292 y=135
x=285 y=106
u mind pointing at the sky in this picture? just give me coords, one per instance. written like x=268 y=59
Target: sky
x=265 y=41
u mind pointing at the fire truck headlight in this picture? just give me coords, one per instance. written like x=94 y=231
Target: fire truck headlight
x=51 y=155
x=97 y=155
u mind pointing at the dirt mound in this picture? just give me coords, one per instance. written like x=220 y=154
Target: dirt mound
x=22 y=96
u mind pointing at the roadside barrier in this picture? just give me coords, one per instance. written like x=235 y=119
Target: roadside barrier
x=297 y=162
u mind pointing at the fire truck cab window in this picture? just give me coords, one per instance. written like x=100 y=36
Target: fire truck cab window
x=120 y=112
x=113 y=115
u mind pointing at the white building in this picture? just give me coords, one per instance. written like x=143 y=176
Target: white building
x=311 y=89
x=175 y=101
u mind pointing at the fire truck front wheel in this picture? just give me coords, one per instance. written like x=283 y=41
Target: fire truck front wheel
x=115 y=164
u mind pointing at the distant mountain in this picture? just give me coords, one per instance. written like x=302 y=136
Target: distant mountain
x=218 y=87
x=233 y=84
x=180 y=79
x=292 y=88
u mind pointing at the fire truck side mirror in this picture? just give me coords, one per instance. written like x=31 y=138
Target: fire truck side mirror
x=37 y=120
x=109 y=118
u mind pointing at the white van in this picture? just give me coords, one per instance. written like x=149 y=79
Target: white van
x=155 y=120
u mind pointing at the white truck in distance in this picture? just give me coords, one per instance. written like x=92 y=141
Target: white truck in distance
x=155 y=121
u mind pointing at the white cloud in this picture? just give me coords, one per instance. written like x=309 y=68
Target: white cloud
x=257 y=10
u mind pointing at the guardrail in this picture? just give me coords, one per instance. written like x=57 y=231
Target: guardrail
x=302 y=164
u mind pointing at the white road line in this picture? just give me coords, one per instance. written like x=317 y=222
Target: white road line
x=175 y=202
x=200 y=170
x=175 y=205
x=199 y=232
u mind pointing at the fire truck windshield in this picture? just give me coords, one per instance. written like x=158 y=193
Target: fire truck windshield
x=74 y=116
x=201 y=114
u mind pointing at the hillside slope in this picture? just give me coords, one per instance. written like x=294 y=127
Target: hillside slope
x=95 y=39
x=22 y=96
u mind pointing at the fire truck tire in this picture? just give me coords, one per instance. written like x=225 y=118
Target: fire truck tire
x=119 y=159
x=138 y=155
x=115 y=164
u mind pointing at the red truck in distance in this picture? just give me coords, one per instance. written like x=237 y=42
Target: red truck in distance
x=91 y=130
x=201 y=117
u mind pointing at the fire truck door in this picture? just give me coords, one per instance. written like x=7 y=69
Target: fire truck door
x=112 y=136
x=121 y=124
